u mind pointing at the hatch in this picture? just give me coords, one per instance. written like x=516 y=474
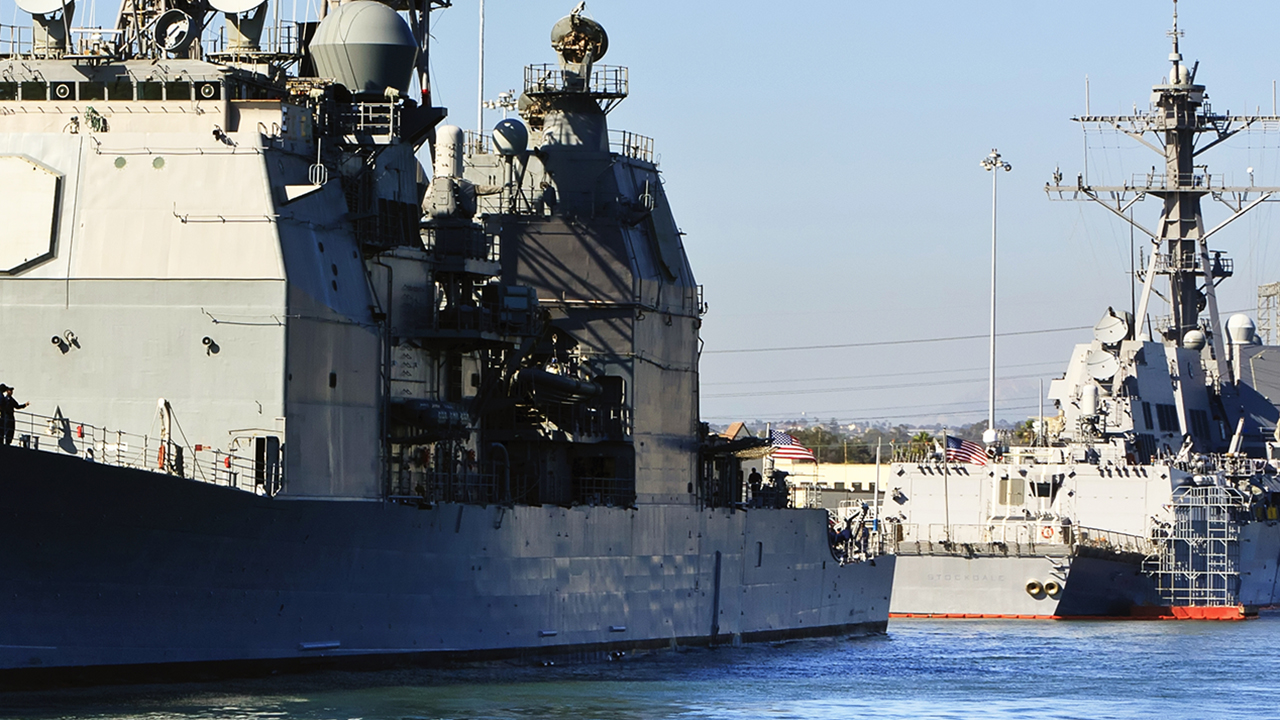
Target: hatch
x=29 y=197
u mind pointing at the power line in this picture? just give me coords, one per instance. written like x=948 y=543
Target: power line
x=882 y=343
x=878 y=375
x=926 y=406
x=979 y=412
x=896 y=386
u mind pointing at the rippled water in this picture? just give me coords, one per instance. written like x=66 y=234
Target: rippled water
x=938 y=669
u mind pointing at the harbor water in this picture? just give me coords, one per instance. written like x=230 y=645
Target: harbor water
x=920 y=669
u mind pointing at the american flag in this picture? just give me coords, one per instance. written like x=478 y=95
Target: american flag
x=965 y=451
x=788 y=448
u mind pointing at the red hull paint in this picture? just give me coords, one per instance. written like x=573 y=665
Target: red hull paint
x=1234 y=612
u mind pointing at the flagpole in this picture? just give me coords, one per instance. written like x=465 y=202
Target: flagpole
x=875 y=496
x=1040 y=427
x=993 y=164
x=768 y=433
x=946 y=489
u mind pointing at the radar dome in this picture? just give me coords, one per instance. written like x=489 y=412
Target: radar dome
x=366 y=46
x=1194 y=340
x=1240 y=329
x=510 y=137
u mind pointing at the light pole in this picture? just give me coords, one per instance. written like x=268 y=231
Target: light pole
x=993 y=163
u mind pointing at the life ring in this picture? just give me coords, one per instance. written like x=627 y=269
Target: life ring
x=1046 y=532
x=1034 y=588
x=1052 y=588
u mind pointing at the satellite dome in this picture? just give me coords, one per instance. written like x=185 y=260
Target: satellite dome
x=1194 y=340
x=366 y=46
x=510 y=137
x=1240 y=329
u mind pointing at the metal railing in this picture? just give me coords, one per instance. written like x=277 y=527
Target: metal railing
x=373 y=121
x=1190 y=262
x=478 y=143
x=1026 y=533
x=606 y=81
x=472 y=487
x=1164 y=181
x=117 y=448
x=607 y=491
x=16 y=40
x=277 y=39
x=471 y=242
x=1113 y=541
x=632 y=145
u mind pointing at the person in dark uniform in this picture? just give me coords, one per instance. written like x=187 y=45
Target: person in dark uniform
x=754 y=480
x=7 y=421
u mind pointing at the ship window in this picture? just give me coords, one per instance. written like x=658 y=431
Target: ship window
x=120 y=90
x=759 y=554
x=333 y=380
x=150 y=91
x=35 y=91
x=1146 y=446
x=1042 y=489
x=208 y=91
x=180 y=90
x=1200 y=424
x=8 y=91
x=1167 y=415
x=1012 y=491
x=93 y=91
x=1146 y=415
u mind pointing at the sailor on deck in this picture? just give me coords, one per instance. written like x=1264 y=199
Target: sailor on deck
x=7 y=420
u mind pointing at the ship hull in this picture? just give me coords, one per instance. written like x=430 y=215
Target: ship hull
x=114 y=567
x=1259 y=559
x=969 y=585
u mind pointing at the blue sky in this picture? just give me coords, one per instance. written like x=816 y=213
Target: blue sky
x=823 y=160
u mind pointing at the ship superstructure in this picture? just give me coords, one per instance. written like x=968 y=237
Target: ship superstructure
x=1152 y=493
x=296 y=395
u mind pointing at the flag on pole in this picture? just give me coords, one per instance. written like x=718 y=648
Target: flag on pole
x=965 y=451
x=786 y=447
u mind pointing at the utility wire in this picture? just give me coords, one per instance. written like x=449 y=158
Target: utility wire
x=780 y=381
x=926 y=406
x=883 y=343
x=894 y=386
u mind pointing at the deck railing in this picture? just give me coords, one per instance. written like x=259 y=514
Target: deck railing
x=65 y=436
x=1026 y=533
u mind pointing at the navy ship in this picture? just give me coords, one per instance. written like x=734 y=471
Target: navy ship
x=1154 y=491
x=294 y=396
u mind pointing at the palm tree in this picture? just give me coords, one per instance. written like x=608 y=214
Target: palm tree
x=921 y=445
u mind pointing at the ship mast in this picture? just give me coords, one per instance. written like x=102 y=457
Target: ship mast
x=1180 y=114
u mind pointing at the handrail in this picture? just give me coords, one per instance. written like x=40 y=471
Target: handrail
x=118 y=448
x=1028 y=532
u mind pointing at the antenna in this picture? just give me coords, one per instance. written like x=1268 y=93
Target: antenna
x=1175 y=56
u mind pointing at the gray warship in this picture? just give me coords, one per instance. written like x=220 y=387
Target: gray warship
x=293 y=397
x=1154 y=491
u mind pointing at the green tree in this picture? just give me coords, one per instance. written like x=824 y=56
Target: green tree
x=1025 y=433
